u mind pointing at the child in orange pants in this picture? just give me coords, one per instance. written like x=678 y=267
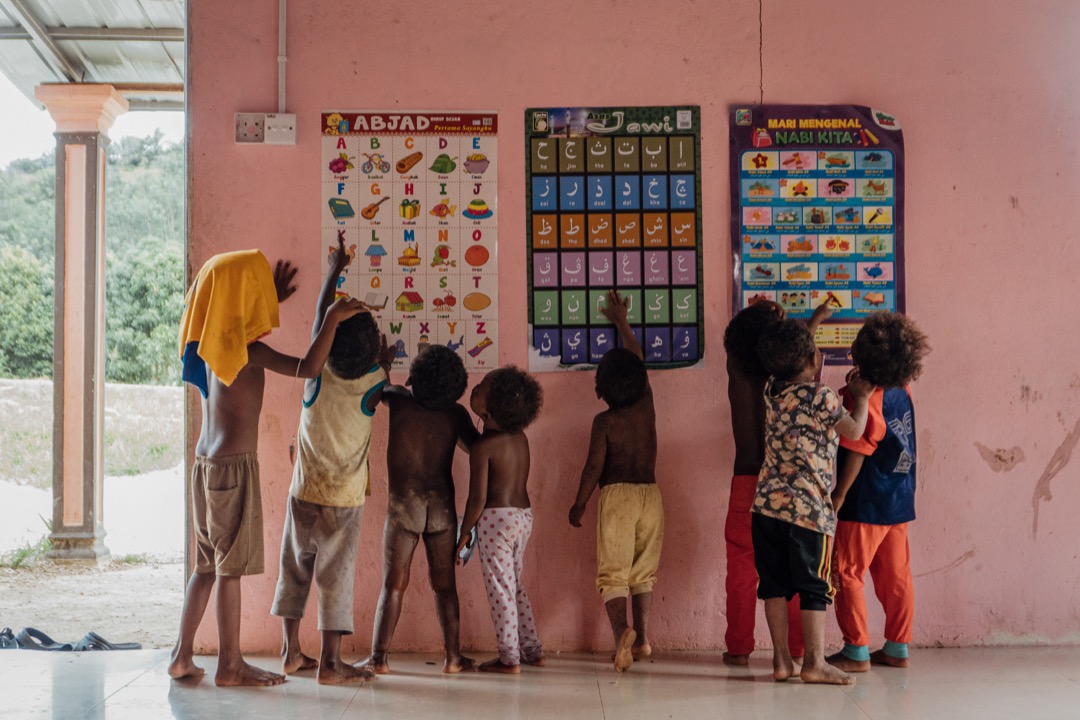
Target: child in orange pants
x=875 y=496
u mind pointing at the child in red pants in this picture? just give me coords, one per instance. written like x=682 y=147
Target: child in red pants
x=875 y=495
x=746 y=388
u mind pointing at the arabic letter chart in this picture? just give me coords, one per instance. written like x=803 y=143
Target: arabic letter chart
x=817 y=199
x=613 y=200
x=414 y=194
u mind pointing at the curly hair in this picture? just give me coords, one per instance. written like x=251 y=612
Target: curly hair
x=785 y=347
x=438 y=377
x=743 y=332
x=355 y=346
x=889 y=350
x=621 y=378
x=514 y=398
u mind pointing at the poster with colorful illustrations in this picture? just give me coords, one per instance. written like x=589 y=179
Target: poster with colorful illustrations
x=414 y=196
x=613 y=200
x=817 y=214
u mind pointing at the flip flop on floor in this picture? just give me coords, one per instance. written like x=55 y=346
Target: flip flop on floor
x=93 y=641
x=7 y=640
x=33 y=639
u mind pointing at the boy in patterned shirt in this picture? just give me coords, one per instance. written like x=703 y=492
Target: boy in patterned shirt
x=875 y=495
x=793 y=519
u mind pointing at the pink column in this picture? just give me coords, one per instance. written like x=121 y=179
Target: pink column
x=83 y=116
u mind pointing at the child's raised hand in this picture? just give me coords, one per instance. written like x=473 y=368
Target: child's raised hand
x=339 y=258
x=857 y=385
x=616 y=307
x=822 y=313
x=344 y=308
x=576 y=512
x=284 y=272
x=384 y=356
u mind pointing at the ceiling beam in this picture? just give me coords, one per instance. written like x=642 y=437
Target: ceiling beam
x=97 y=33
x=138 y=88
x=45 y=45
x=172 y=105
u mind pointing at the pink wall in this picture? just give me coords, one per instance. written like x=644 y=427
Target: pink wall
x=988 y=104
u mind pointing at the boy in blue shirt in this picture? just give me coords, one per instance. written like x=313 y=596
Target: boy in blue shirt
x=875 y=495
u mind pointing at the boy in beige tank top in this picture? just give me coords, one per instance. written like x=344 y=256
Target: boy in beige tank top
x=326 y=500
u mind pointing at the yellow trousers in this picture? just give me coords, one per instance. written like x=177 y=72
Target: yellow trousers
x=629 y=534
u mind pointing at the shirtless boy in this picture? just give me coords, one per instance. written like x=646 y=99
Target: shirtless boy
x=507 y=400
x=746 y=388
x=232 y=303
x=622 y=461
x=425 y=426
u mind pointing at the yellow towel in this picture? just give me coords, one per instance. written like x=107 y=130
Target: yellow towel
x=231 y=304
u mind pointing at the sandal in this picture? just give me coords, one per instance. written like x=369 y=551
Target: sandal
x=33 y=639
x=93 y=641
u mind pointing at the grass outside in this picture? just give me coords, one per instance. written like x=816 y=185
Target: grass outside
x=144 y=430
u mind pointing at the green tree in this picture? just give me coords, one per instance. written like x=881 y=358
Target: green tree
x=144 y=221
x=26 y=314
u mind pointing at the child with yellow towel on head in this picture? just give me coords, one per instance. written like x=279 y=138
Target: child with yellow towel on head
x=230 y=306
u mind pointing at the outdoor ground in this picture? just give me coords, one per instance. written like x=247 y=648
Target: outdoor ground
x=137 y=596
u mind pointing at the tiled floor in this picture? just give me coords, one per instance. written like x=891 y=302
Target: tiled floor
x=982 y=684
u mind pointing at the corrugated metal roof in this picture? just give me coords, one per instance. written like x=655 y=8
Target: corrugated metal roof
x=136 y=45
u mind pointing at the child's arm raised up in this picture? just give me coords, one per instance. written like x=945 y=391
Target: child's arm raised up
x=478 y=488
x=312 y=363
x=852 y=426
x=594 y=468
x=615 y=310
x=467 y=432
x=339 y=260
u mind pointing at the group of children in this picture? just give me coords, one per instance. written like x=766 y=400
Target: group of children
x=782 y=514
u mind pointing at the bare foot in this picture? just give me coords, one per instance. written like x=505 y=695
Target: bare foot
x=495 y=665
x=378 y=666
x=461 y=664
x=293 y=661
x=245 y=675
x=624 y=655
x=535 y=662
x=846 y=664
x=340 y=672
x=641 y=650
x=826 y=674
x=878 y=657
x=184 y=668
x=736 y=660
x=782 y=667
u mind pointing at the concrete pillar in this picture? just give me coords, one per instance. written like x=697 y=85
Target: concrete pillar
x=83 y=116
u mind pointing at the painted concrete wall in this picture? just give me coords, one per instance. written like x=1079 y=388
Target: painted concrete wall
x=989 y=106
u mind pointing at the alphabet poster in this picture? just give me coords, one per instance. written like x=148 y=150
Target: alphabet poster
x=613 y=200
x=415 y=196
x=817 y=214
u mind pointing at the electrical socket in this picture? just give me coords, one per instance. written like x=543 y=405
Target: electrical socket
x=250 y=127
x=280 y=129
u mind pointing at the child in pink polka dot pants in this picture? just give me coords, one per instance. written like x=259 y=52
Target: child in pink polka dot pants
x=507 y=400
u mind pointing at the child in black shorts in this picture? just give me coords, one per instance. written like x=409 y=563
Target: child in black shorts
x=792 y=519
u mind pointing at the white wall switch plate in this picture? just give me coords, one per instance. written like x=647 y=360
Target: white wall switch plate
x=280 y=129
x=250 y=127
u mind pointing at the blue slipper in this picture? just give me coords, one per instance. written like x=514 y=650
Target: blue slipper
x=93 y=641
x=7 y=640
x=33 y=639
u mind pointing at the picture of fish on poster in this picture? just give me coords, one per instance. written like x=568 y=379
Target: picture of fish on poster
x=817 y=214
x=613 y=200
x=414 y=197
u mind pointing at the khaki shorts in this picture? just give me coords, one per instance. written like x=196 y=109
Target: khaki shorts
x=629 y=535
x=226 y=507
